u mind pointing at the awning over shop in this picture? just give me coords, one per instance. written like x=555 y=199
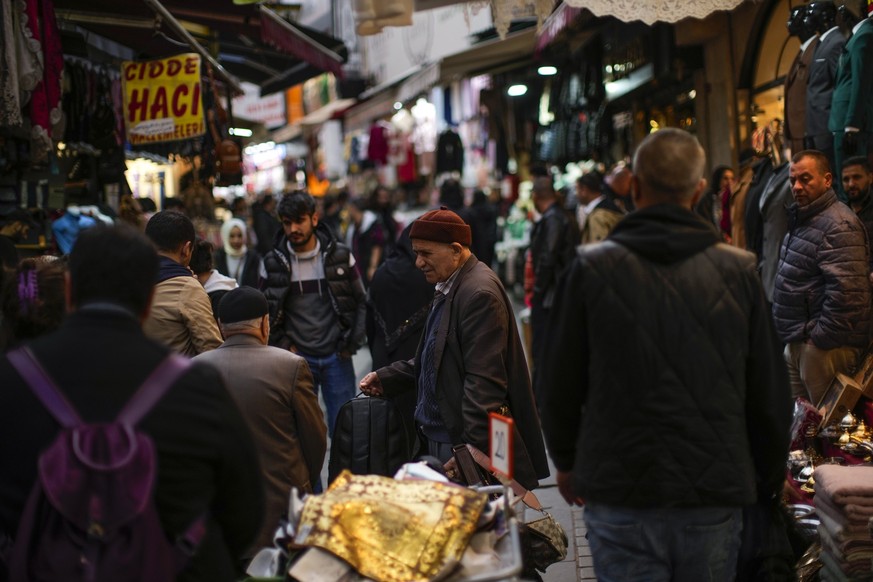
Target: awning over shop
x=419 y=83
x=490 y=56
x=252 y=42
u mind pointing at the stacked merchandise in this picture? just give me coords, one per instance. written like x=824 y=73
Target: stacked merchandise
x=844 y=503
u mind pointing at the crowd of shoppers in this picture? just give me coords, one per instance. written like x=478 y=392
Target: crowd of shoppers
x=656 y=323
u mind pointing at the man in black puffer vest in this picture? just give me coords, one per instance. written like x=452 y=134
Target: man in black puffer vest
x=666 y=406
x=317 y=300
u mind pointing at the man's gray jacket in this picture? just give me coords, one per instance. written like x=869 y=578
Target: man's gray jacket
x=822 y=290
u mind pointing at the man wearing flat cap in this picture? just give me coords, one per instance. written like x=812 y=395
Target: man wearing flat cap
x=273 y=389
x=469 y=360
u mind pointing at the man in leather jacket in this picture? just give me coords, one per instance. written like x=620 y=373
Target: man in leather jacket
x=551 y=250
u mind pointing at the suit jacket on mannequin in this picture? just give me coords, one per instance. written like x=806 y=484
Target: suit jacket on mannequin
x=852 y=105
x=795 y=95
x=820 y=88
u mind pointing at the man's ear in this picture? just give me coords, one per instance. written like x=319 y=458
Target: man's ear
x=698 y=192
x=265 y=328
x=635 y=190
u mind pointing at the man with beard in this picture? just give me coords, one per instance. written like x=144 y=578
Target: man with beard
x=857 y=177
x=821 y=298
x=15 y=228
x=317 y=299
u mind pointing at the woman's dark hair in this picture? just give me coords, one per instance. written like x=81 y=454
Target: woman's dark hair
x=33 y=300
x=717 y=174
x=201 y=257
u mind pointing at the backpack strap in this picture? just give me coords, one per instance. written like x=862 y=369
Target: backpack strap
x=43 y=387
x=153 y=389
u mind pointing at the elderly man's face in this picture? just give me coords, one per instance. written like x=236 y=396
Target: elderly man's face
x=436 y=260
x=808 y=181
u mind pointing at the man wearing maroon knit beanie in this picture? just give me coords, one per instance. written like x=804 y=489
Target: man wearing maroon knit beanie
x=470 y=359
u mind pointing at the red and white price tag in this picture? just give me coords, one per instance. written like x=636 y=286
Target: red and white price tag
x=500 y=443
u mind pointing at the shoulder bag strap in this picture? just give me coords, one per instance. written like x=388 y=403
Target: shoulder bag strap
x=153 y=389
x=43 y=387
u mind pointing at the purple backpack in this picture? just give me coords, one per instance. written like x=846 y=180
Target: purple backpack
x=90 y=515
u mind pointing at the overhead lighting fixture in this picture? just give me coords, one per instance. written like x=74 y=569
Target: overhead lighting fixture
x=516 y=90
x=398 y=105
x=547 y=71
x=240 y=131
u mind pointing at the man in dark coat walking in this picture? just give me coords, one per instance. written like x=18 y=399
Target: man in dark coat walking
x=666 y=407
x=470 y=359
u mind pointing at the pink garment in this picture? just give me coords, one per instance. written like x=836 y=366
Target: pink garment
x=406 y=170
x=46 y=113
x=377 y=149
x=725 y=223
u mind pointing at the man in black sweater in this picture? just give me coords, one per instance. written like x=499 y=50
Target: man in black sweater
x=207 y=463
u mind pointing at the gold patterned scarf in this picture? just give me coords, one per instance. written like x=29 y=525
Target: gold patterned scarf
x=391 y=531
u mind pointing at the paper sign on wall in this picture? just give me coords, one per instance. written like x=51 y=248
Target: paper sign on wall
x=162 y=99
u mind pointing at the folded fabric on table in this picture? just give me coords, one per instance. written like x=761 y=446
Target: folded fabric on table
x=855 y=552
x=842 y=483
x=854 y=511
x=839 y=525
x=841 y=572
x=392 y=531
x=836 y=510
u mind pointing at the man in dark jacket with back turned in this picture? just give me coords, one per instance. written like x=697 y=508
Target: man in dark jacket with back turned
x=821 y=300
x=317 y=300
x=207 y=462
x=666 y=408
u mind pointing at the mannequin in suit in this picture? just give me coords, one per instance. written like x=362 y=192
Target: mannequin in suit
x=821 y=17
x=796 y=81
x=851 y=116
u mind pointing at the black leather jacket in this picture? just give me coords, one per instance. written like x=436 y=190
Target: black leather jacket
x=551 y=247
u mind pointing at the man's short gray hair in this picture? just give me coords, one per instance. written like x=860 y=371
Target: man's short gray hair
x=670 y=163
x=240 y=326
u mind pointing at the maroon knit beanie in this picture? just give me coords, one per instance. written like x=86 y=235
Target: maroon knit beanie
x=443 y=226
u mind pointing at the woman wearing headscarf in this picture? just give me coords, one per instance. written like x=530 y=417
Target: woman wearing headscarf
x=236 y=260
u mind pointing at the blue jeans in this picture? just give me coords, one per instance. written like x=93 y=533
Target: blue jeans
x=670 y=544
x=335 y=377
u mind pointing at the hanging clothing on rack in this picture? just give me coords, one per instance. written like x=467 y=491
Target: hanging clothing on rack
x=46 y=114
x=377 y=148
x=10 y=98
